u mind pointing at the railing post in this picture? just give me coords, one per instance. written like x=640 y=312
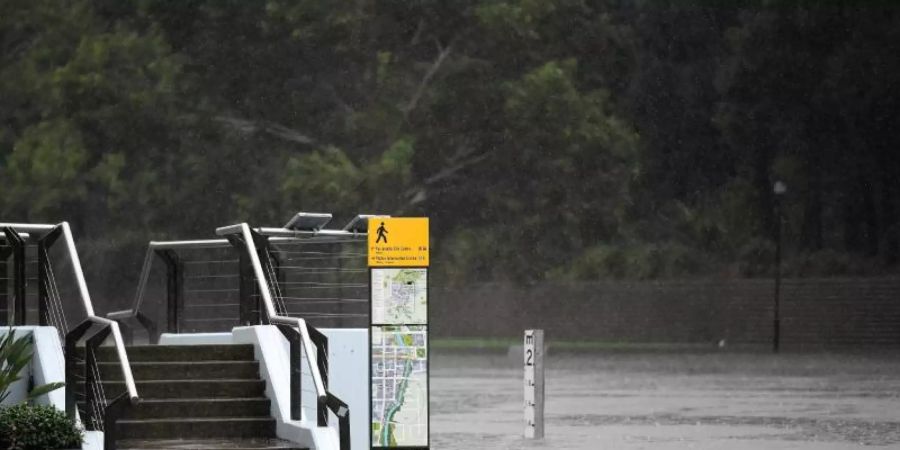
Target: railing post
x=246 y=287
x=127 y=333
x=72 y=338
x=262 y=244
x=276 y=268
x=43 y=309
x=149 y=325
x=293 y=337
x=43 y=246
x=110 y=417
x=90 y=369
x=89 y=394
x=19 y=278
x=342 y=411
x=174 y=289
x=5 y=251
x=340 y=283
x=321 y=343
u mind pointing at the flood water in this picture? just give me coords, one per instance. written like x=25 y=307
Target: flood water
x=671 y=401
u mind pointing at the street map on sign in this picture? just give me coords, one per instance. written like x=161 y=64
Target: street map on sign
x=399 y=386
x=399 y=296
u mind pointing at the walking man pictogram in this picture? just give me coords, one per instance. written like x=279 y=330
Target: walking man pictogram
x=382 y=234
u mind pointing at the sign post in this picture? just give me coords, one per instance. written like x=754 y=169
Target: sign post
x=534 y=384
x=398 y=334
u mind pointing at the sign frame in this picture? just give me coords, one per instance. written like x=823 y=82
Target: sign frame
x=373 y=234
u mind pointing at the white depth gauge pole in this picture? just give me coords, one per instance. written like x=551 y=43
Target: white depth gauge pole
x=534 y=384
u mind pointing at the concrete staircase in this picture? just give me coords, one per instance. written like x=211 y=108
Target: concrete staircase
x=203 y=396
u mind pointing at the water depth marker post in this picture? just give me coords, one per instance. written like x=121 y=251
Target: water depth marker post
x=534 y=384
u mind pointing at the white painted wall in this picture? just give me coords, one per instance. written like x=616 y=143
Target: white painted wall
x=18 y=390
x=47 y=366
x=348 y=359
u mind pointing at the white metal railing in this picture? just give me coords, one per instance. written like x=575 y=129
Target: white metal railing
x=87 y=305
x=152 y=247
x=310 y=341
x=244 y=230
x=275 y=235
x=278 y=235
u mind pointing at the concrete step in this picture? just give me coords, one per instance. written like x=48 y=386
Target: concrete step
x=180 y=370
x=191 y=394
x=206 y=444
x=146 y=353
x=197 y=407
x=183 y=428
x=168 y=389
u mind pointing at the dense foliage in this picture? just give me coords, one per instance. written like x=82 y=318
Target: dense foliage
x=545 y=138
x=30 y=427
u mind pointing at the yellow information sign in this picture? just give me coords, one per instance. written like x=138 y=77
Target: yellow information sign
x=398 y=241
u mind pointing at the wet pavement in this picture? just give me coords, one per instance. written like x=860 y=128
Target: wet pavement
x=672 y=401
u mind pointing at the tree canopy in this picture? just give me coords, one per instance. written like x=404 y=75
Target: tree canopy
x=562 y=139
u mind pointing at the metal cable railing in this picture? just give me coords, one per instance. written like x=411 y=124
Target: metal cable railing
x=55 y=313
x=98 y=401
x=303 y=339
x=325 y=284
x=269 y=266
x=201 y=291
x=102 y=413
x=181 y=271
x=267 y=296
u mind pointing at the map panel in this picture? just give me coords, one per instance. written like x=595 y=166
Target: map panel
x=399 y=386
x=399 y=296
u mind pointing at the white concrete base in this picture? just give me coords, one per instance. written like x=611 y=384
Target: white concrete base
x=47 y=366
x=348 y=356
x=196 y=339
x=93 y=440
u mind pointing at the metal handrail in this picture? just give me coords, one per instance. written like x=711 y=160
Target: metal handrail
x=286 y=236
x=295 y=329
x=127 y=374
x=278 y=235
x=148 y=263
x=269 y=305
x=286 y=233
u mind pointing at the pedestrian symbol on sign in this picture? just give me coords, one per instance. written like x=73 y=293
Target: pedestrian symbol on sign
x=382 y=234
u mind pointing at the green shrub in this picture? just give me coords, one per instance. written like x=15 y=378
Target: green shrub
x=30 y=427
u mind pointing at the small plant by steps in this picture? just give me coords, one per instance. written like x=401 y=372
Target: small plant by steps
x=37 y=427
x=15 y=355
x=25 y=426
